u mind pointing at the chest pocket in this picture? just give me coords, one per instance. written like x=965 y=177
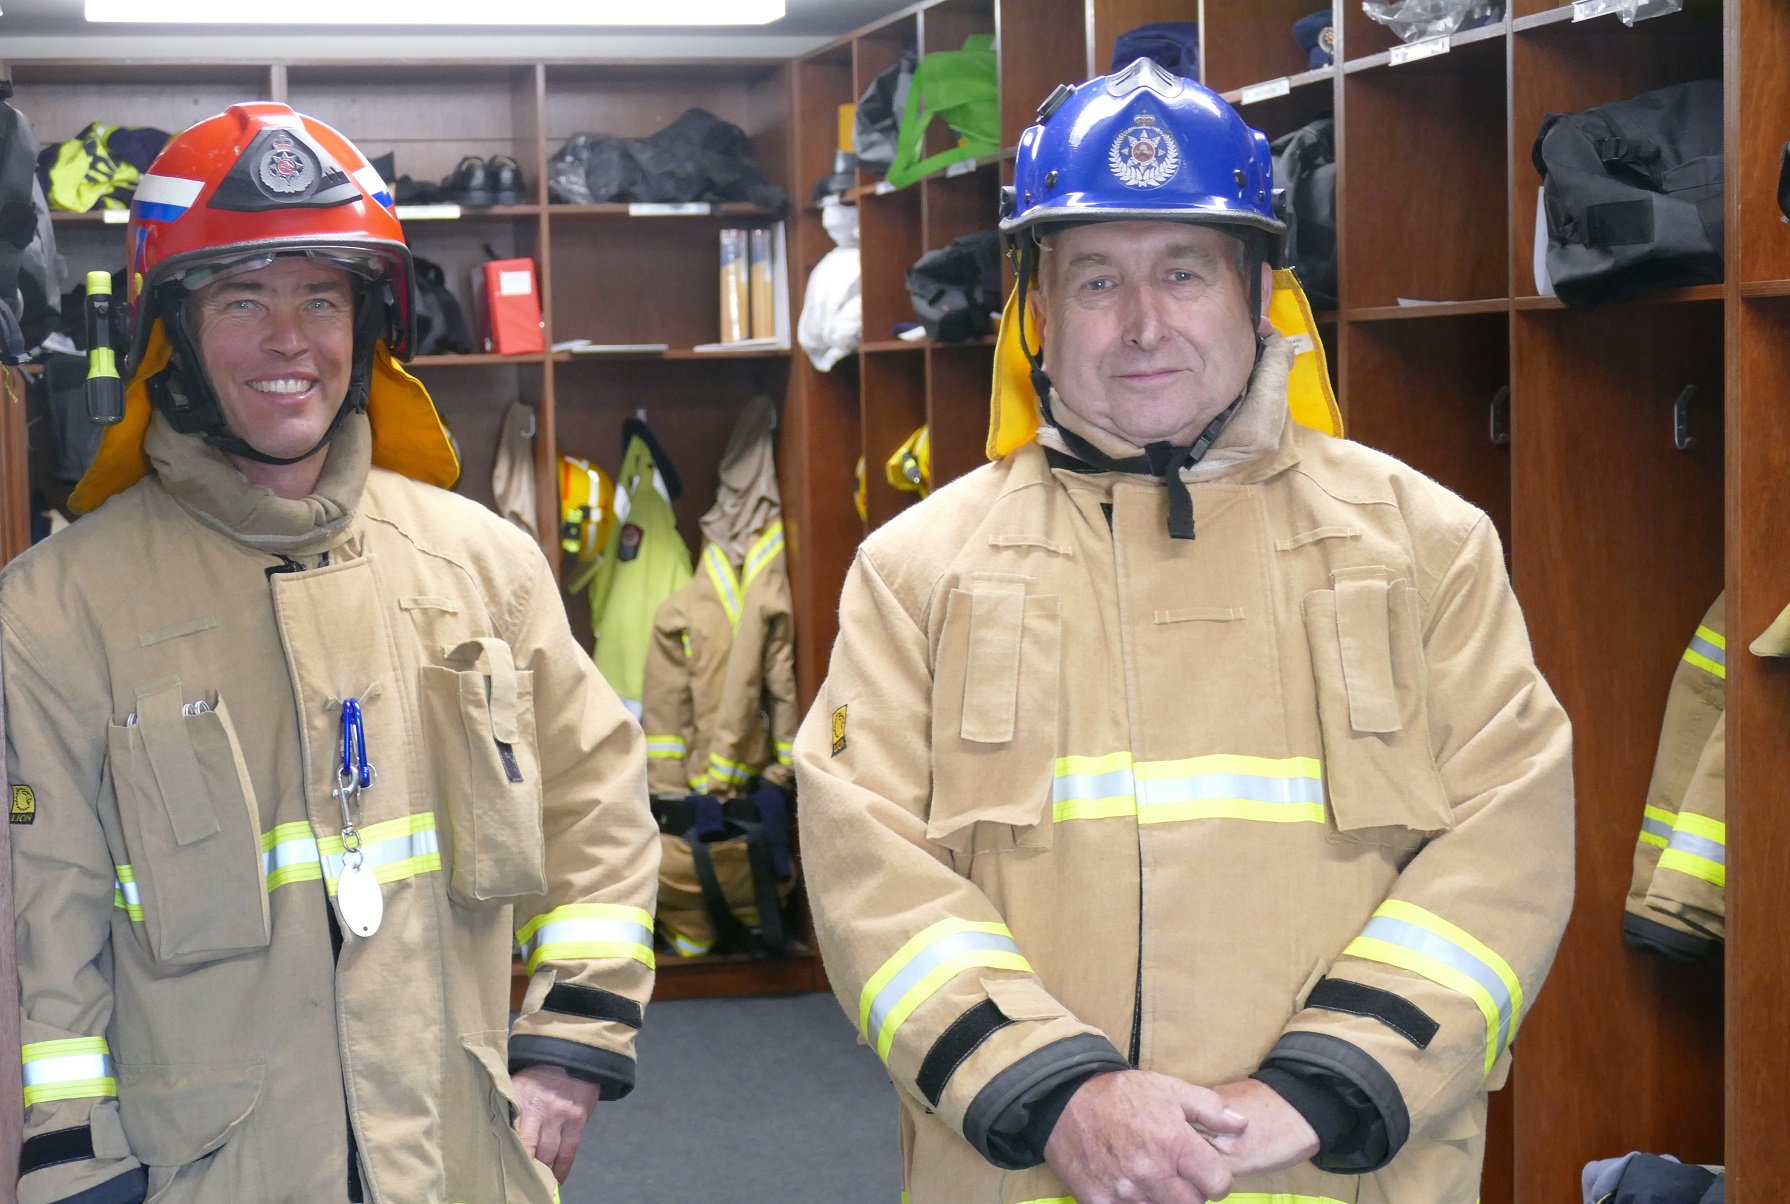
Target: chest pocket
x=190 y=827
x=994 y=718
x=479 y=722
x=1367 y=656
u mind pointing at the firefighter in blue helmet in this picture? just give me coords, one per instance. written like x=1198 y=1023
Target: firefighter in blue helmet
x=1169 y=861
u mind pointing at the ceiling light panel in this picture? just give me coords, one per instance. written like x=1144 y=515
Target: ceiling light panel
x=441 y=12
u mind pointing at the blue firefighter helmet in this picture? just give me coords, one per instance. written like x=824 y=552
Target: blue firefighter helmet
x=1140 y=144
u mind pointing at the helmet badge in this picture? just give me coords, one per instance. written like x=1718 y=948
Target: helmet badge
x=1144 y=156
x=285 y=169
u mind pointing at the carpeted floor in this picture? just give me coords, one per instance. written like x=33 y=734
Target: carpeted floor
x=745 y=1101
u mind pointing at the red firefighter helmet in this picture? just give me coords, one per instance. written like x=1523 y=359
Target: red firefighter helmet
x=256 y=181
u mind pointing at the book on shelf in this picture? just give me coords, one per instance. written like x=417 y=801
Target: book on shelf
x=764 y=292
x=736 y=293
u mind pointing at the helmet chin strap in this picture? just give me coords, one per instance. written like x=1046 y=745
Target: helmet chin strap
x=185 y=395
x=1161 y=459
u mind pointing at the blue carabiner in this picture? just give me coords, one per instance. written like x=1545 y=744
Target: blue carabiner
x=355 y=767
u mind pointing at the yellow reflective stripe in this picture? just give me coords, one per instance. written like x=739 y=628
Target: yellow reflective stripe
x=723 y=770
x=1241 y=1197
x=586 y=932
x=1412 y=938
x=685 y=637
x=925 y=964
x=1656 y=826
x=125 y=893
x=1709 y=651
x=394 y=849
x=72 y=1068
x=763 y=552
x=785 y=752
x=289 y=854
x=1220 y=786
x=727 y=586
x=686 y=946
x=666 y=748
x=1698 y=847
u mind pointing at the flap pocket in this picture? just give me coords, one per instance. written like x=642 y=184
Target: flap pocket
x=1367 y=661
x=1023 y=999
x=994 y=718
x=524 y=1179
x=479 y=723
x=191 y=827
x=177 y=1114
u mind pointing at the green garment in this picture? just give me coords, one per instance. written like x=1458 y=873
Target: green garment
x=644 y=563
x=960 y=86
x=87 y=173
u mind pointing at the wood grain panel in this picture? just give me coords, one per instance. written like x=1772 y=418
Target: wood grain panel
x=62 y=99
x=1422 y=391
x=957 y=387
x=472 y=401
x=1569 y=67
x=1445 y=239
x=890 y=239
x=1757 y=130
x=821 y=443
x=953 y=206
x=1247 y=41
x=1758 y=969
x=1617 y=540
x=894 y=384
x=1361 y=35
x=1041 y=43
x=1107 y=19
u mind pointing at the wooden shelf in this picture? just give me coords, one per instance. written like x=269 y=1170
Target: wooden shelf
x=1665 y=296
x=1765 y=288
x=474 y=360
x=1485 y=33
x=93 y=217
x=1430 y=309
x=676 y=354
x=1303 y=79
x=716 y=209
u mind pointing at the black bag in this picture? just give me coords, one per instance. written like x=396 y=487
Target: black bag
x=876 y=124
x=698 y=157
x=18 y=223
x=441 y=327
x=956 y=290
x=1633 y=194
x=1305 y=187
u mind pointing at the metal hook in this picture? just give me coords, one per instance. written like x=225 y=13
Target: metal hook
x=1682 y=438
x=1500 y=416
x=640 y=413
x=530 y=432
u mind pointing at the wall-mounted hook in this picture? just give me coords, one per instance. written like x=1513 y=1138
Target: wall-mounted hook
x=1682 y=438
x=530 y=432
x=1500 y=416
x=640 y=413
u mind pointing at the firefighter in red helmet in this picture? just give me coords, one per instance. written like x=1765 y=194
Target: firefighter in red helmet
x=309 y=747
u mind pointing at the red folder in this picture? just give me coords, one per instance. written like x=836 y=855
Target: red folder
x=513 y=308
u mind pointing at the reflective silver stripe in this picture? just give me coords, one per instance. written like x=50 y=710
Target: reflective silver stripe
x=946 y=949
x=1698 y=846
x=387 y=852
x=1439 y=948
x=1656 y=827
x=1247 y=787
x=1705 y=648
x=1114 y=783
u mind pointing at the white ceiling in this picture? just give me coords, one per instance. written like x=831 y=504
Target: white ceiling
x=33 y=29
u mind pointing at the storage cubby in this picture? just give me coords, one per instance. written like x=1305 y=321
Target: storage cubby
x=1618 y=551
x=1312 y=94
x=891 y=237
x=1424 y=390
x=1360 y=36
x=822 y=437
x=897 y=380
x=957 y=382
x=1245 y=42
x=1760 y=242
x=1438 y=236
x=472 y=400
x=1563 y=66
x=1042 y=44
x=1107 y=19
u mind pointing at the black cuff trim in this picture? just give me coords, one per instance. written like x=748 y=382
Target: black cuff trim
x=1328 y=1114
x=593 y=1003
x=998 y=1116
x=611 y=1071
x=132 y=1187
x=1333 y=1055
x=959 y=1041
x=53 y=1149
x=1394 y=1011
x=1651 y=936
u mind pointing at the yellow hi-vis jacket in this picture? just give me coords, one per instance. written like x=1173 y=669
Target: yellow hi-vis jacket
x=1077 y=796
x=1675 y=901
x=719 y=705
x=174 y=709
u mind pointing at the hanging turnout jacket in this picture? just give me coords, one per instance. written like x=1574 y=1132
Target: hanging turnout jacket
x=720 y=682
x=1291 y=796
x=644 y=562
x=175 y=668
x=1675 y=898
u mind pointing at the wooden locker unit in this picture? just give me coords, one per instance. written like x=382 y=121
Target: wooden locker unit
x=604 y=275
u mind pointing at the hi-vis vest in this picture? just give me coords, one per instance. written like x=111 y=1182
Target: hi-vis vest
x=1675 y=901
x=1077 y=796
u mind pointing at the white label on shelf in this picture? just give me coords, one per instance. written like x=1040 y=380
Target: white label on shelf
x=962 y=167
x=1584 y=10
x=1426 y=49
x=515 y=284
x=683 y=209
x=116 y=217
x=883 y=188
x=1267 y=90
x=427 y=213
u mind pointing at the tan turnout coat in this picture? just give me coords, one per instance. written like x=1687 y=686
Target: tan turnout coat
x=175 y=710
x=1142 y=795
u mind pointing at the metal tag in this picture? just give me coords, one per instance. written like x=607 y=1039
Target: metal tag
x=358 y=899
